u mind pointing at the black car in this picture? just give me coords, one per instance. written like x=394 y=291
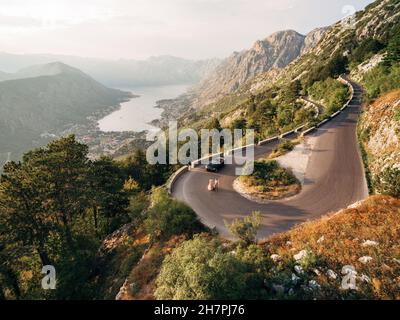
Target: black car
x=216 y=164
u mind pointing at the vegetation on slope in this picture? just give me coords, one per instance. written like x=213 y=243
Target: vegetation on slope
x=380 y=80
x=57 y=207
x=386 y=76
x=268 y=113
x=274 y=111
x=203 y=268
x=139 y=248
x=284 y=147
x=331 y=93
x=54 y=208
x=365 y=237
x=354 y=254
x=380 y=141
x=269 y=181
x=379 y=126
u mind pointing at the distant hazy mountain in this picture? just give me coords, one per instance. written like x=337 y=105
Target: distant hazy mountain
x=275 y=52
x=50 y=69
x=46 y=98
x=4 y=75
x=162 y=70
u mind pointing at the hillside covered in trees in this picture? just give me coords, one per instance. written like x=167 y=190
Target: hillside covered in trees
x=56 y=207
x=44 y=100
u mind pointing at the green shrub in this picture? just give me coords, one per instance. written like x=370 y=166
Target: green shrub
x=324 y=70
x=393 y=50
x=133 y=257
x=397 y=115
x=285 y=146
x=133 y=289
x=388 y=182
x=381 y=79
x=202 y=269
x=268 y=174
x=138 y=204
x=167 y=217
x=239 y=124
x=246 y=229
x=365 y=50
x=331 y=92
x=285 y=115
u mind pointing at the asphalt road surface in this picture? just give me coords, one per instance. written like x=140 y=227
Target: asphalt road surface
x=334 y=179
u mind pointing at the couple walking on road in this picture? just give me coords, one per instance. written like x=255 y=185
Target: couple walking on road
x=213 y=184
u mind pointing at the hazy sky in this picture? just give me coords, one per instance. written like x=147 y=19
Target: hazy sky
x=141 y=28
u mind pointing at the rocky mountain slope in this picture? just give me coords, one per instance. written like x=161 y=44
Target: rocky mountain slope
x=274 y=52
x=376 y=21
x=306 y=262
x=324 y=48
x=381 y=139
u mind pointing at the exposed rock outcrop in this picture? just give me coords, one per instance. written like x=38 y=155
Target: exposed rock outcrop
x=380 y=131
x=358 y=73
x=312 y=39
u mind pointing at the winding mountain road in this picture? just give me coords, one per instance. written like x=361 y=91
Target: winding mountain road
x=334 y=179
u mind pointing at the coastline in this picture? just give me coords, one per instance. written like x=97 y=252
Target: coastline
x=120 y=143
x=102 y=143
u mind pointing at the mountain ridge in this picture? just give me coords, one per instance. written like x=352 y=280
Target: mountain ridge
x=157 y=70
x=276 y=51
x=48 y=69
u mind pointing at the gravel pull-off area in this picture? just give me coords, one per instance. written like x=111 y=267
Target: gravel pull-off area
x=297 y=159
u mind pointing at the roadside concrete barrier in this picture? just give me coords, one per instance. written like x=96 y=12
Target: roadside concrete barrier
x=299 y=128
x=345 y=106
x=308 y=131
x=286 y=134
x=316 y=106
x=335 y=114
x=232 y=151
x=196 y=163
x=322 y=123
x=349 y=84
x=175 y=177
x=262 y=142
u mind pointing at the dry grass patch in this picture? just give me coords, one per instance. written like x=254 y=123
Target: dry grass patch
x=370 y=230
x=140 y=284
x=284 y=147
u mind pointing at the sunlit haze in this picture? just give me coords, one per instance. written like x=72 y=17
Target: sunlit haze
x=141 y=28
